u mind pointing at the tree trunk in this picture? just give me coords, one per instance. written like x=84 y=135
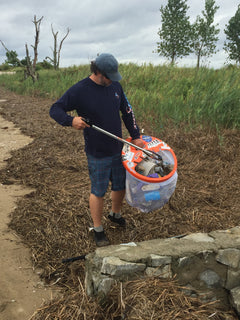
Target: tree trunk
x=198 y=61
x=31 y=65
x=60 y=47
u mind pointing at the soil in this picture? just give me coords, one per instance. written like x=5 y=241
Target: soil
x=21 y=290
x=53 y=220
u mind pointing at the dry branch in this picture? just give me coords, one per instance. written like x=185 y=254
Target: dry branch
x=57 y=50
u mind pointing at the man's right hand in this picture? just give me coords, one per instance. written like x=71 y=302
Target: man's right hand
x=79 y=124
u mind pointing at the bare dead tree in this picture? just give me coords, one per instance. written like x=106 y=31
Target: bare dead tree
x=31 y=64
x=57 y=50
x=30 y=68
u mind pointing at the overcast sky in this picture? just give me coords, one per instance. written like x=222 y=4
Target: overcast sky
x=126 y=28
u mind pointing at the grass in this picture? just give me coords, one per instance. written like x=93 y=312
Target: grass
x=158 y=94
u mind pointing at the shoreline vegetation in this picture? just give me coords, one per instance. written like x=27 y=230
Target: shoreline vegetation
x=168 y=95
x=54 y=220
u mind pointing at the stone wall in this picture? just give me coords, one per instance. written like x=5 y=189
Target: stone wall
x=207 y=264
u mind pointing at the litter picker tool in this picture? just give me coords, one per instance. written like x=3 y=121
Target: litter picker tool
x=149 y=153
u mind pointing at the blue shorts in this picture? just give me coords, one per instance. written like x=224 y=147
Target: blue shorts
x=103 y=170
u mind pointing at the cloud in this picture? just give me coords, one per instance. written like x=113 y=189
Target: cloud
x=126 y=28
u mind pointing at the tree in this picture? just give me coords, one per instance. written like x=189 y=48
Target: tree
x=175 y=34
x=205 y=33
x=56 y=50
x=12 y=58
x=232 y=43
x=28 y=64
x=31 y=64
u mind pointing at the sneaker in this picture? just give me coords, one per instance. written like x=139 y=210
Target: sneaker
x=120 y=221
x=101 y=239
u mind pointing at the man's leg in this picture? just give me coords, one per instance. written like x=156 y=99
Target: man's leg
x=117 y=199
x=99 y=172
x=115 y=214
x=118 y=176
x=96 y=209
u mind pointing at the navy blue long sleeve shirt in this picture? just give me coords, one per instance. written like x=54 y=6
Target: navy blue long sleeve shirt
x=102 y=105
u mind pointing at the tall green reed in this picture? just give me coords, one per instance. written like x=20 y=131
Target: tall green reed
x=158 y=94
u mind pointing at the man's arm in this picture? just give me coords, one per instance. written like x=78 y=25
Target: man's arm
x=66 y=103
x=59 y=113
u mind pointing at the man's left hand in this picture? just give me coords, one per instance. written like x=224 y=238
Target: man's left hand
x=138 y=142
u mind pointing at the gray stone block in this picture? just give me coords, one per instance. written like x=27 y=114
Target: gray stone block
x=229 y=257
x=156 y=260
x=116 y=267
x=235 y=299
x=105 y=285
x=164 y=272
x=233 y=279
x=199 y=237
x=210 y=278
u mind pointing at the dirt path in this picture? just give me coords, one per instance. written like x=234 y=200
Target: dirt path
x=21 y=291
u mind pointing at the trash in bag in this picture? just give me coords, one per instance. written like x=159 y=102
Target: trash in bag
x=149 y=182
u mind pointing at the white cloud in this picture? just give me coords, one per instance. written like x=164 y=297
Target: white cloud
x=126 y=28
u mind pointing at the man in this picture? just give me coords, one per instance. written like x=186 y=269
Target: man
x=99 y=98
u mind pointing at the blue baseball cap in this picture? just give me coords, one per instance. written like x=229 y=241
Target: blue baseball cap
x=109 y=66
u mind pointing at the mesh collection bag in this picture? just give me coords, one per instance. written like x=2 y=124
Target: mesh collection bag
x=149 y=183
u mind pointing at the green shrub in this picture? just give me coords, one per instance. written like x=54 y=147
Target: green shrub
x=5 y=67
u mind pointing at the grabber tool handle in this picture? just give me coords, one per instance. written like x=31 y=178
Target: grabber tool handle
x=149 y=153
x=87 y=121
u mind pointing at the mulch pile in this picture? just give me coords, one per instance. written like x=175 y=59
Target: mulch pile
x=54 y=220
